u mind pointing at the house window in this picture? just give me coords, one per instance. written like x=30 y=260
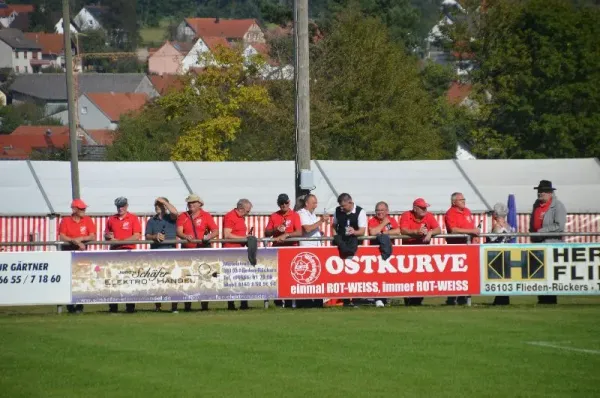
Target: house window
x=17 y=68
x=84 y=110
x=34 y=55
x=16 y=54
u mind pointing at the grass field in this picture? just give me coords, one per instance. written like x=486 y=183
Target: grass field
x=429 y=351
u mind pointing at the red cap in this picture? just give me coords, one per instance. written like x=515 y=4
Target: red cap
x=78 y=203
x=420 y=202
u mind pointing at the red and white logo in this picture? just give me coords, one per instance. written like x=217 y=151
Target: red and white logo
x=126 y=225
x=305 y=268
x=82 y=230
x=198 y=222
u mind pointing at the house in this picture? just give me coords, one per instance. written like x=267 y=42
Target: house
x=18 y=53
x=458 y=94
x=58 y=28
x=50 y=89
x=103 y=111
x=244 y=30
x=168 y=58
x=15 y=16
x=90 y=18
x=271 y=70
x=53 y=47
x=25 y=141
x=165 y=83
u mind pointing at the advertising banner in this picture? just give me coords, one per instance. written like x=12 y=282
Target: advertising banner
x=319 y=272
x=173 y=275
x=544 y=269
x=29 y=278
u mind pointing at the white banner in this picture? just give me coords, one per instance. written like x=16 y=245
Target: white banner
x=540 y=269
x=35 y=278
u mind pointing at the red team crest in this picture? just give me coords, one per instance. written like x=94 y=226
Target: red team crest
x=305 y=268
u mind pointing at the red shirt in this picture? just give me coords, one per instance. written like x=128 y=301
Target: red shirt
x=456 y=218
x=292 y=224
x=203 y=224
x=237 y=224
x=538 y=215
x=123 y=229
x=374 y=222
x=76 y=229
x=409 y=221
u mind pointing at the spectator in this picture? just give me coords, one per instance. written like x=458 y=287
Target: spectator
x=234 y=227
x=77 y=229
x=500 y=226
x=195 y=224
x=349 y=222
x=122 y=226
x=548 y=215
x=284 y=223
x=382 y=223
x=459 y=220
x=421 y=226
x=161 y=227
x=311 y=223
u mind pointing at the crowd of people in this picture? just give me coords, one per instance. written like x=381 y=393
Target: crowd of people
x=349 y=222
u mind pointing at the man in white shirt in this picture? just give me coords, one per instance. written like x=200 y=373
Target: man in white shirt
x=311 y=223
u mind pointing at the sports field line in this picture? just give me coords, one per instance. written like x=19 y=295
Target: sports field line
x=560 y=347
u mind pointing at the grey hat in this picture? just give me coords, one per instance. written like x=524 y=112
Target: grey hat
x=500 y=209
x=121 y=201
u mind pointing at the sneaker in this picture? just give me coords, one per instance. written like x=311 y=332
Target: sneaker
x=175 y=312
x=379 y=304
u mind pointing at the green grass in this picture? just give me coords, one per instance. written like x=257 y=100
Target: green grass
x=155 y=35
x=430 y=351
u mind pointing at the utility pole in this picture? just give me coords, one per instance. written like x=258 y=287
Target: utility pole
x=71 y=102
x=302 y=89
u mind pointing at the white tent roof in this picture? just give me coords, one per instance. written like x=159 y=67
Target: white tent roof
x=221 y=184
x=577 y=181
x=400 y=183
x=102 y=182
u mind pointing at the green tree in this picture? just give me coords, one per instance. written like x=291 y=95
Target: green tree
x=13 y=116
x=538 y=60
x=368 y=100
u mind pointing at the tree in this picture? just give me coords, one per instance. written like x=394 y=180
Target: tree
x=202 y=120
x=13 y=116
x=368 y=101
x=224 y=91
x=538 y=60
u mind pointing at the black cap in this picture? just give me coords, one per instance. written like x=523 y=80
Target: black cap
x=282 y=199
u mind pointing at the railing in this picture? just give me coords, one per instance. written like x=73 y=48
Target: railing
x=265 y=241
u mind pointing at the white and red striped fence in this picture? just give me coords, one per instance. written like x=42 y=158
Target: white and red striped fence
x=25 y=229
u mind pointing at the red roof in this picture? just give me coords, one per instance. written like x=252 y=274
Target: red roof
x=229 y=28
x=24 y=139
x=102 y=137
x=212 y=42
x=5 y=12
x=22 y=8
x=165 y=83
x=51 y=43
x=114 y=105
x=458 y=92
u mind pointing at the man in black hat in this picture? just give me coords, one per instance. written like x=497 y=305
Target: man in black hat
x=548 y=215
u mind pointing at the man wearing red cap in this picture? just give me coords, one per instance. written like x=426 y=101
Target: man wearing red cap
x=459 y=220
x=284 y=223
x=76 y=229
x=122 y=226
x=421 y=226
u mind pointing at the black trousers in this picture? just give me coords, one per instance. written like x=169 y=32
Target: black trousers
x=410 y=301
x=243 y=305
x=72 y=308
x=114 y=308
x=454 y=300
x=547 y=300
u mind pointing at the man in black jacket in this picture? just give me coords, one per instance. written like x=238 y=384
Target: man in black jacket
x=349 y=222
